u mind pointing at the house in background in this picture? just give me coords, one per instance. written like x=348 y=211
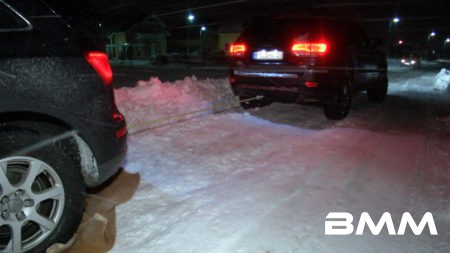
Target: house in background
x=227 y=36
x=118 y=45
x=144 y=41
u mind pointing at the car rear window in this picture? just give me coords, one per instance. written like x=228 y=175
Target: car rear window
x=10 y=20
x=267 y=27
x=51 y=34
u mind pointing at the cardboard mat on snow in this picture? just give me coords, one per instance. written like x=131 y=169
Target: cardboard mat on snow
x=97 y=232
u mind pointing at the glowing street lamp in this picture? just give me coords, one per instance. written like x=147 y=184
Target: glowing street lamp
x=393 y=22
x=446 y=41
x=431 y=44
x=430 y=36
x=202 y=29
x=392 y=27
x=190 y=20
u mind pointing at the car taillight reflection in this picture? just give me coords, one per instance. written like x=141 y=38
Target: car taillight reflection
x=99 y=61
x=118 y=117
x=238 y=49
x=121 y=132
x=309 y=49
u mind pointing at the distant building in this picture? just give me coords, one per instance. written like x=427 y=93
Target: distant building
x=227 y=36
x=118 y=45
x=145 y=40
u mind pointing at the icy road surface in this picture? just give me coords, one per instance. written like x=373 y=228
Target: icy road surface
x=264 y=181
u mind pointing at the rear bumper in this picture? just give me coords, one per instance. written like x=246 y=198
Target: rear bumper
x=284 y=82
x=111 y=167
x=109 y=150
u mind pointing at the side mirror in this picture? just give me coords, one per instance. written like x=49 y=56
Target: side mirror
x=377 y=42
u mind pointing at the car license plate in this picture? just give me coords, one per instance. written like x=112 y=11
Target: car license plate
x=268 y=55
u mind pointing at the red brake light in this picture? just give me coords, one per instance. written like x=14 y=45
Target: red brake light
x=238 y=49
x=311 y=84
x=99 y=61
x=118 y=117
x=121 y=132
x=309 y=49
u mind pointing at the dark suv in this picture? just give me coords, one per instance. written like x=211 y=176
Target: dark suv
x=60 y=130
x=307 y=59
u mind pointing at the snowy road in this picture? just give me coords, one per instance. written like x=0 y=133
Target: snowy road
x=264 y=181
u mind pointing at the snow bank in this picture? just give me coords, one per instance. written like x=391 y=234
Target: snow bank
x=152 y=103
x=442 y=80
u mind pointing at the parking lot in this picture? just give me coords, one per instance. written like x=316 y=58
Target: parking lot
x=264 y=180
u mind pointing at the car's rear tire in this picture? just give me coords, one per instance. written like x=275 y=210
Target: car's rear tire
x=378 y=92
x=249 y=102
x=42 y=196
x=337 y=103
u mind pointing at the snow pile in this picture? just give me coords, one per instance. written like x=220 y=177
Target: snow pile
x=152 y=103
x=442 y=80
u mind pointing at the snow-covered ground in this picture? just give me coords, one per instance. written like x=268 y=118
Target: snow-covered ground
x=264 y=180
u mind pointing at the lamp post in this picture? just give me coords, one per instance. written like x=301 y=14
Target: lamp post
x=202 y=29
x=393 y=23
x=190 y=20
x=430 y=36
x=430 y=45
x=446 y=41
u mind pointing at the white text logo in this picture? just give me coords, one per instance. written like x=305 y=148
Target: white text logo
x=340 y=223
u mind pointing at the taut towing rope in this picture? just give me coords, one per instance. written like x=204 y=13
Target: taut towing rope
x=156 y=122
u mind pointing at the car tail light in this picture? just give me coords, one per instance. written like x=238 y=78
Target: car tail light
x=309 y=49
x=311 y=84
x=99 y=61
x=118 y=117
x=121 y=132
x=238 y=49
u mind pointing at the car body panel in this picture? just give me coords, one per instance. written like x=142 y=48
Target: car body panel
x=43 y=71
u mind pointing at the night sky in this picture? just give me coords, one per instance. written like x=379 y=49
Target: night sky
x=418 y=18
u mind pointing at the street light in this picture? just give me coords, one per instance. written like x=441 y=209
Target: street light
x=445 y=46
x=431 y=44
x=393 y=22
x=190 y=20
x=202 y=29
x=191 y=17
x=431 y=35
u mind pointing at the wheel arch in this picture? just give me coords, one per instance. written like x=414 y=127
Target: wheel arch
x=51 y=127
